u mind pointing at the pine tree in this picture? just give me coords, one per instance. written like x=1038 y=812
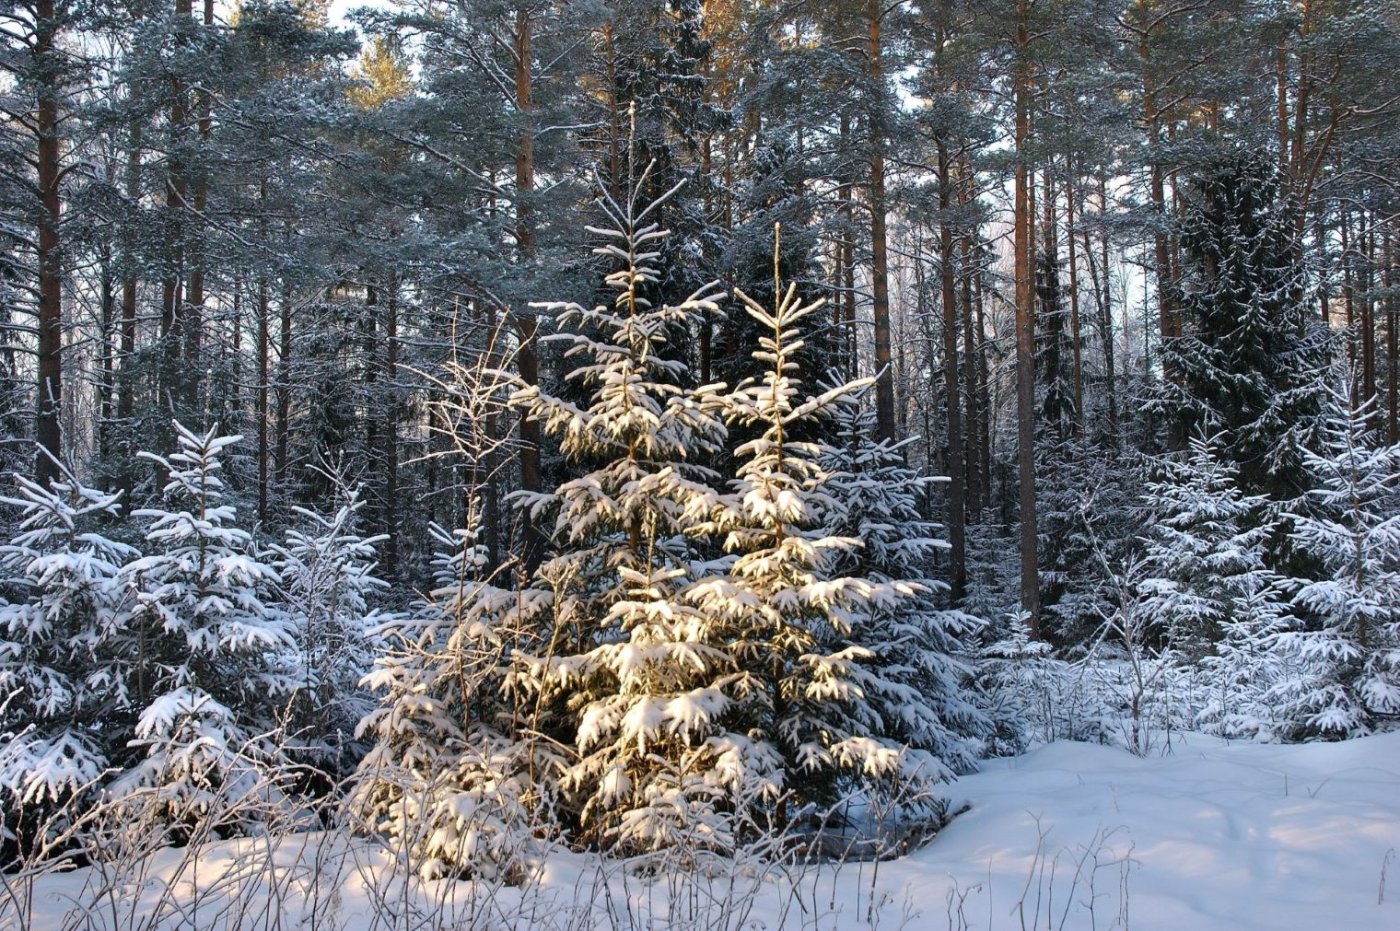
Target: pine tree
x=66 y=666
x=1347 y=649
x=213 y=654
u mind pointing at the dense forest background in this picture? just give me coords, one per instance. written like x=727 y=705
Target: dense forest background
x=1123 y=272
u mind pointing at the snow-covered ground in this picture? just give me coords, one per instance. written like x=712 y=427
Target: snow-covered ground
x=1207 y=835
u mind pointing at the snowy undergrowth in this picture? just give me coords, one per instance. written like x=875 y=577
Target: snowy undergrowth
x=1069 y=835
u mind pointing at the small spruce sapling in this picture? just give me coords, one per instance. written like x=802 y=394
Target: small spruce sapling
x=1214 y=600
x=213 y=653
x=328 y=586
x=807 y=732
x=915 y=681
x=449 y=779
x=1346 y=645
x=66 y=667
x=632 y=680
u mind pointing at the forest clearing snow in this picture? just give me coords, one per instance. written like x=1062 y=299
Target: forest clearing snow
x=1204 y=835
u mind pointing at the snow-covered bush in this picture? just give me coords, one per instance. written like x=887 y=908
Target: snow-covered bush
x=215 y=659
x=67 y=667
x=1346 y=646
x=1030 y=695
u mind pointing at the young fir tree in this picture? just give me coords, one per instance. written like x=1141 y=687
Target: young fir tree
x=328 y=584
x=450 y=779
x=915 y=678
x=66 y=667
x=1347 y=646
x=1204 y=546
x=632 y=681
x=1214 y=601
x=213 y=655
x=807 y=676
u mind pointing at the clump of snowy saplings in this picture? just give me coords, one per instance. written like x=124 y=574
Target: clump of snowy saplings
x=169 y=685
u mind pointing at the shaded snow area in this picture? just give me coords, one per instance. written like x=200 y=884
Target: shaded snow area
x=1070 y=835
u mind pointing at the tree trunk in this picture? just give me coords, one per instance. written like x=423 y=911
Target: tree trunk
x=1075 y=331
x=261 y=404
x=975 y=479
x=526 y=325
x=984 y=389
x=1161 y=245
x=193 y=326
x=284 y=388
x=879 y=248
x=1349 y=298
x=1025 y=334
x=106 y=389
x=957 y=482
x=391 y=426
x=1392 y=344
x=47 y=429
x=175 y=383
x=848 y=261
x=1368 y=322
x=126 y=394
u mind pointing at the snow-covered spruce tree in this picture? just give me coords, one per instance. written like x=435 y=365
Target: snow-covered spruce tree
x=633 y=681
x=920 y=649
x=1250 y=361
x=803 y=715
x=214 y=668
x=328 y=585
x=451 y=778
x=1214 y=601
x=1347 y=643
x=66 y=669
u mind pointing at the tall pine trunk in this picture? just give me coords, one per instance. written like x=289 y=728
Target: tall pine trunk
x=957 y=482
x=1025 y=332
x=879 y=246
x=526 y=324
x=47 y=429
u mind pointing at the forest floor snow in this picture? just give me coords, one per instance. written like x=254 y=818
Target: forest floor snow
x=1203 y=835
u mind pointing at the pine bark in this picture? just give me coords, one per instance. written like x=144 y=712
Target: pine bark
x=957 y=482
x=47 y=428
x=1025 y=333
x=526 y=325
x=879 y=246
